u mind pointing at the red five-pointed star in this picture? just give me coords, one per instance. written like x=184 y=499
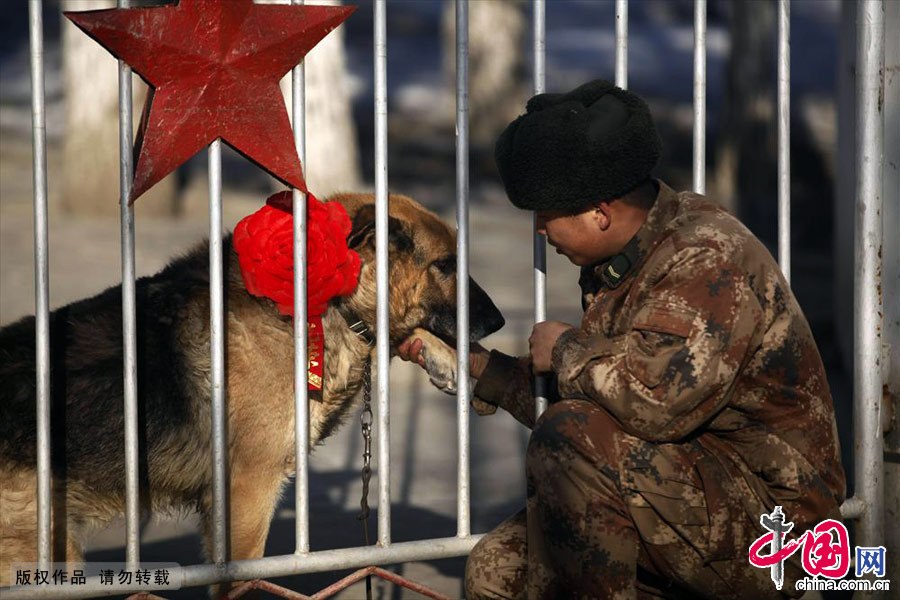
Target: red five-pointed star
x=214 y=66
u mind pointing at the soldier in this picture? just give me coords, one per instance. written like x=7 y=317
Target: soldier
x=691 y=399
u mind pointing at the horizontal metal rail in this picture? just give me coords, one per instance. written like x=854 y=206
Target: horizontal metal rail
x=275 y=566
x=853 y=508
x=331 y=590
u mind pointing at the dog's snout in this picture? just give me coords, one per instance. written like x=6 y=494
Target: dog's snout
x=484 y=316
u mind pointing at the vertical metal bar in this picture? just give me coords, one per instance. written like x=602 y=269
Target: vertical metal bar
x=784 y=137
x=540 y=45
x=540 y=241
x=217 y=351
x=41 y=280
x=301 y=359
x=462 y=264
x=867 y=381
x=699 y=96
x=622 y=43
x=381 y=277
x=129 y=331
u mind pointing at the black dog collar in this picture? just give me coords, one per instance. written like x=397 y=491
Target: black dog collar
x=358 y=326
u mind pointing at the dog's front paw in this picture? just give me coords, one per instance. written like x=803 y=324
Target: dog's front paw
x=439 y=361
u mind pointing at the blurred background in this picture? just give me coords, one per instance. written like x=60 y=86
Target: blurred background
x=82 y=130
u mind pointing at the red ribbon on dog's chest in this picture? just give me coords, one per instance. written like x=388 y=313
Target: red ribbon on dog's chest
x=315 y=362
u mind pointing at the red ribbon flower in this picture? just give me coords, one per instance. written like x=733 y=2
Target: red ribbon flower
x=264 y=242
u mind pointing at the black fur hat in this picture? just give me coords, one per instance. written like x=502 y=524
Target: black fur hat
x=597 y=142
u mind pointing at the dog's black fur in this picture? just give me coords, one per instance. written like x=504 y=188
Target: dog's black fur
x=86 y=374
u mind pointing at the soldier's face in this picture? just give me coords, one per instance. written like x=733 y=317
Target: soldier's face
x=582 y=238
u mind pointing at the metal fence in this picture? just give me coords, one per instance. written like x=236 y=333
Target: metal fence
x=866 y=505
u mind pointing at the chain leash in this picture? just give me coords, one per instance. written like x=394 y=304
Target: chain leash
x=365 y=421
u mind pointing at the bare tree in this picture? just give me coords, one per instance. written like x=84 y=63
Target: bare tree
x=332 y=152
x=497 y=64
x=745 y=155
x=90 y=168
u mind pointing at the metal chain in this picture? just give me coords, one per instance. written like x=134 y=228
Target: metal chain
x=365 y=420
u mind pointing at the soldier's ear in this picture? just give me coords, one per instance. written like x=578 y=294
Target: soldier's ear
x=602 y=215
x=362 y=232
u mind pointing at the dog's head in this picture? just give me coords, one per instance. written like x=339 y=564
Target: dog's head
x=422 y=278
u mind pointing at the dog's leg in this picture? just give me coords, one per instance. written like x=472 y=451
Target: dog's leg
x=439 y=361
x=18 y=524
x=18 y=521
x=254 y=494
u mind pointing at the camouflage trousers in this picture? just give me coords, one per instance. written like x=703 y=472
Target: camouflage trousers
x=609 y=515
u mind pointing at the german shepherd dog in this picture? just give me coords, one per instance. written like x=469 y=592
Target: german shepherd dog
x=173 y=357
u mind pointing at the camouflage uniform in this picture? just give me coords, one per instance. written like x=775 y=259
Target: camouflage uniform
x=695 y=400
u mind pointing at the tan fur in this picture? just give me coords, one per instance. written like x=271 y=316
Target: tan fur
x=18 y=522
x=260 y=403
x=411 y=284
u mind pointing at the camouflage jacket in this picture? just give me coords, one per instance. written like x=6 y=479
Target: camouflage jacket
x=692 y=333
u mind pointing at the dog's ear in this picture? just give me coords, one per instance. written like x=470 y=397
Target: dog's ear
x=362 y=232
x=363 y=226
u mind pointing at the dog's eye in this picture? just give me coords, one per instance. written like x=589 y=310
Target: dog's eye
x=446 y=266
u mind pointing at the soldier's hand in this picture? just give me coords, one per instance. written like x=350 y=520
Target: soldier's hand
x=413 y=349
x=540 y=344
